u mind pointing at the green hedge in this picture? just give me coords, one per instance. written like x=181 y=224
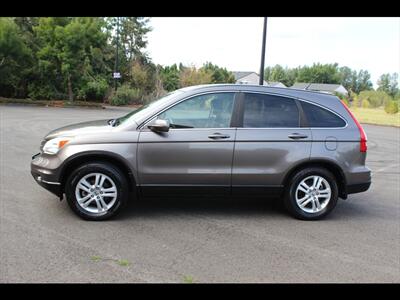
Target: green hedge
x=392 y=107
x=365 y=103
x=126 y=95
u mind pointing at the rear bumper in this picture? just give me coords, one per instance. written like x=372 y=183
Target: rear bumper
x=358 y=188
x=359 y=180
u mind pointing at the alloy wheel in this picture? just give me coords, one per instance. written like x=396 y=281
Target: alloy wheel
x=313 y=194
x=96 y=193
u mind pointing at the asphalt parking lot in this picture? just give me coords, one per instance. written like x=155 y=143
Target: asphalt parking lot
x=243 y=240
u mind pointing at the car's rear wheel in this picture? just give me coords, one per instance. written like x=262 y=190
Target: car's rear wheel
x=96 y=191
x=312 y=194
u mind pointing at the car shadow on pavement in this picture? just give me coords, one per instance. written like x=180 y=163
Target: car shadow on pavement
x=159 y=207
x=352 y=209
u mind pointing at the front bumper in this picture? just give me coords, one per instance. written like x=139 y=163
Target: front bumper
x=44 y=175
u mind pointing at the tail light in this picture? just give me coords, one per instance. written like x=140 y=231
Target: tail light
x=363 y=136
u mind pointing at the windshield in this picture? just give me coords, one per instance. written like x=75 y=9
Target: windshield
x=143 y=109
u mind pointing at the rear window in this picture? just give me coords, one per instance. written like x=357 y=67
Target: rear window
x=267 y=111
x=319 y=117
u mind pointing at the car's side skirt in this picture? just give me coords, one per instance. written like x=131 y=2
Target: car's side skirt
x=175 y=190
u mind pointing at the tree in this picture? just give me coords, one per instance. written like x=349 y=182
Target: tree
x=278 y=73
x=15 y=57
x=267 y=73
x=69 y=56
x=388 y=83
x=170 y=77
x=348 y=78
x=143 y=76
x=133 y=32
x=218 y=75
x=363 y=81
x=191 y=76
x=131 y=40
x=319 y=73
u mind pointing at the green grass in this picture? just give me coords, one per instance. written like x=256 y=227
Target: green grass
x=95 y=258
x=187 y=279
x=376 y=116
x=123 y=262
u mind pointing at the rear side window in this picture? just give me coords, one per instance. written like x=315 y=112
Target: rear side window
x=319 y=117
x=267 y=111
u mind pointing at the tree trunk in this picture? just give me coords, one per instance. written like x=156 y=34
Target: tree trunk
x=2 y=61
x=70 y=94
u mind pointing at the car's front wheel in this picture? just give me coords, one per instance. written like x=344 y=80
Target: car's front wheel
x=312 y=194
x=96 y=191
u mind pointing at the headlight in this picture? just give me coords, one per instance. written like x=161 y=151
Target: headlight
x=54 y=145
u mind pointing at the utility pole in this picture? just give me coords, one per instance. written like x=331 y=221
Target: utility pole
x=116 y=75
x=263 y=52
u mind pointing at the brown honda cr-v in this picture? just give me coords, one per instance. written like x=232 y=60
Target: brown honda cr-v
x=216 y=140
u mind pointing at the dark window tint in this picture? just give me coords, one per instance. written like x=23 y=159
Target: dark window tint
x=264 y=111
x=319 y=117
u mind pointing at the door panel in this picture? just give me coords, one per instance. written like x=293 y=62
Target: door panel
x=184 y=159
x=270 y=142
x=263 y=156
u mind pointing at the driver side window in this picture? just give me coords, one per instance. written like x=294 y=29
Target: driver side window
x=203 y=111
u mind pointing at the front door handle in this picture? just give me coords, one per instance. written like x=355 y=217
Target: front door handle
x=218 y=136
x=297 y=136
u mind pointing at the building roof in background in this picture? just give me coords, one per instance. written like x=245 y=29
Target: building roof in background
x=317 y=86
x=275 y=83
x=254 y=78
x=239 y=75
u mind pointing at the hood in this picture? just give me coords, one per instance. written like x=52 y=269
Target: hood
x=80 y=128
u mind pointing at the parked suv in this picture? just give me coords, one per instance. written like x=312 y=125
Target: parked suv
x=226 y=140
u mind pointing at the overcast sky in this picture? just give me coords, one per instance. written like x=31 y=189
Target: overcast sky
x=235 y=43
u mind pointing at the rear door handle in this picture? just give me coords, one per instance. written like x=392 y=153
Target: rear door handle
x=297 y=136
x=218 y=136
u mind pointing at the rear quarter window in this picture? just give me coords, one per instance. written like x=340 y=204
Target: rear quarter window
x=320 y=117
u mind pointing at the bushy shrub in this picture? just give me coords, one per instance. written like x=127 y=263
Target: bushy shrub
x=345 y=101
x=365 y=103
x=44 y=91
x=126 y=95
x=94 y=90
x=375 y=98
x=153 y=96
x=354 y=100
x=392 y=107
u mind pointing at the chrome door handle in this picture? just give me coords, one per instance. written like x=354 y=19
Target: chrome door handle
x=297 y=136
x=218 y=136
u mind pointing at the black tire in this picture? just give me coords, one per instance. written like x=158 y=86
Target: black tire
x=97 y=167
x=290 y=198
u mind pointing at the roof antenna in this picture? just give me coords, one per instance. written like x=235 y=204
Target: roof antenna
x=311 y=82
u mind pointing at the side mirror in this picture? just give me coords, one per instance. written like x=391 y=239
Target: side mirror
x=159 y=125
